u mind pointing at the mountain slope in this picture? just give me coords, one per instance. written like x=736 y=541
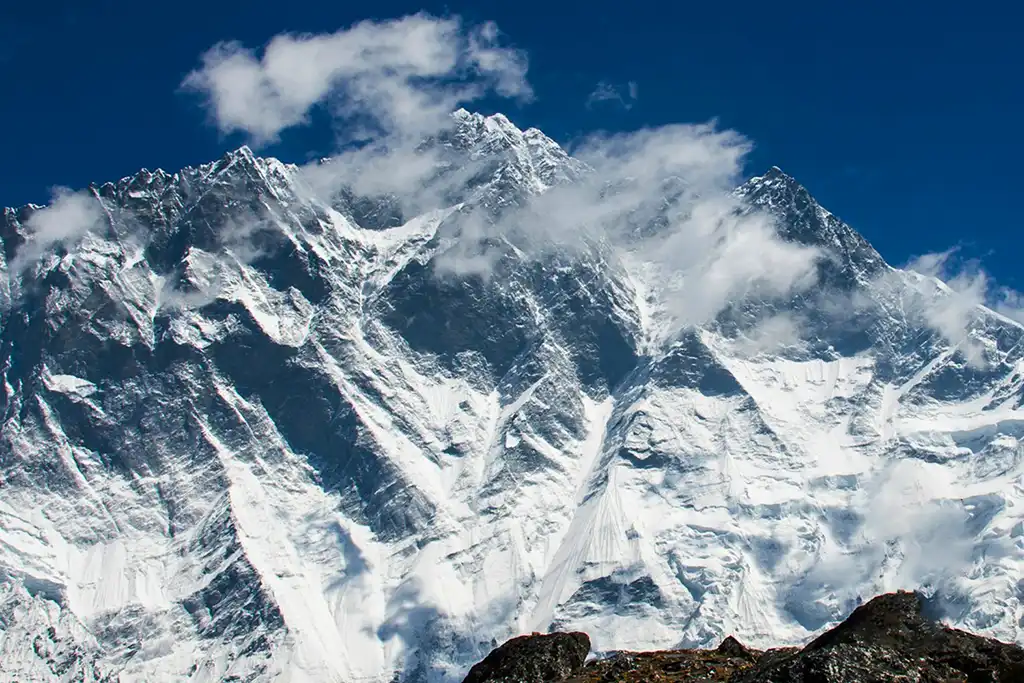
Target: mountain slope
x=253 y=434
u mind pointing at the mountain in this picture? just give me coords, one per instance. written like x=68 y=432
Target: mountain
x=252 y=434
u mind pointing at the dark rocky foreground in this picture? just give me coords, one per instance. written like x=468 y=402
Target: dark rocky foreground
x=884 y=641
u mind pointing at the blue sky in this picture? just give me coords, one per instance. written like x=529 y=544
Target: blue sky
x=902 y=120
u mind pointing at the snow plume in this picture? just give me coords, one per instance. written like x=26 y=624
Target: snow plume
x=64 y=222
x=384 y=79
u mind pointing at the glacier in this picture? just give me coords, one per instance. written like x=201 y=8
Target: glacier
x=252 y=434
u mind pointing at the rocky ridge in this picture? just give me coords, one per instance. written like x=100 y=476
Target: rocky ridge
x=884 y=641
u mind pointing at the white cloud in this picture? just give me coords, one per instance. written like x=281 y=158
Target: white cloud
x=771 y=334
x=393 y=84
x=241 y=240
x=389 y=77
x=905 y=506
x=952 y=309
x=389 y=85
x=624 y=95
x=909 y=536
x=1008 y=302
x=705 y=252
x=64 y=222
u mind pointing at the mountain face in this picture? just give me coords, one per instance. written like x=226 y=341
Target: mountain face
x=253 y=435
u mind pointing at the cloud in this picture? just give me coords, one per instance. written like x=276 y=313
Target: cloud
x=903 y=509
x=248 y=236
x=64 y=222
x=389 y=86
x=624 y=95
x=1008 y=302
x=241 y=240
x=906 y=537
x=953 y=307
x=418 y=177
x=402 y=76
x=660 y=196
x=772 y=333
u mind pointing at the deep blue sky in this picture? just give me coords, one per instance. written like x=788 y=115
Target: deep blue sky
x=902 y=119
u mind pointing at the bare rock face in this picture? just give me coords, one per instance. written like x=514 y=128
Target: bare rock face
x=888 y=639
x=533 y=659
x=668 y=666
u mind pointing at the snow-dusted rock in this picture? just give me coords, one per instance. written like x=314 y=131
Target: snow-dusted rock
x=251 y=435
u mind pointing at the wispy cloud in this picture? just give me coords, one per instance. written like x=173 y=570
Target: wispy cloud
x=389 y=86
x=772 y=333
x=64 y=222
x=661 y=197
x=624 y=95
x=953 y=308
x=907 y=536
x=392 y=85
x=240 y=241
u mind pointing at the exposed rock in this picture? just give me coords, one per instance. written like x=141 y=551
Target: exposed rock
x=888 y=639
x=533 y=659
x=885 y=640
x=733 y=648
x=667 y=666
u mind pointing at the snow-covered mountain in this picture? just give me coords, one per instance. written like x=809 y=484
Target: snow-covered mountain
x=250 y=434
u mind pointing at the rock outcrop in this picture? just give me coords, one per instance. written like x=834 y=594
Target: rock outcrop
x=551 y=657
x=886 y=640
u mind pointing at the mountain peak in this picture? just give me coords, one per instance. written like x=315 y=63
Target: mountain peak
x=775 y=176
x=802 y=219
x=243 y=152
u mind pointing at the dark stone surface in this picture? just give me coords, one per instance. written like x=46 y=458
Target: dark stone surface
x=731 y=647
x=888 y=639
x=533 y=659
x=884 y=641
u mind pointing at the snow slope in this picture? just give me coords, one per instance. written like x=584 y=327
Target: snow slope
x=292 y=452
